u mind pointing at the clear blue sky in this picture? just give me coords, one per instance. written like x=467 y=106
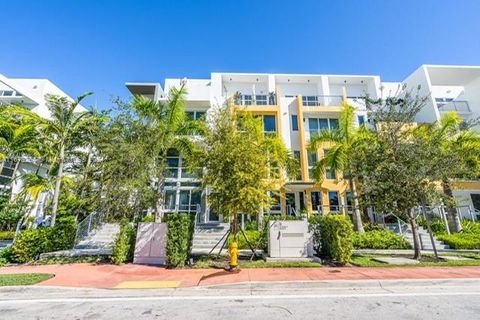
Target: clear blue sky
x=99 y=45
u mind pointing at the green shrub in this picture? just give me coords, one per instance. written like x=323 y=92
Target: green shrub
x=467 y=241
x=31 y=243
x=369 y=226
x=10 y=212
x=5 y=256
x=379 y=239
x=179 y=238
x=469 y=226
x=252 y=235
x=335 y=232
x=7 y=235
x=251 y=225
x=124 y=246
x=148 y=218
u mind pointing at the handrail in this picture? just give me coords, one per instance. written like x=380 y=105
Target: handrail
x=325 y=100
x=455 y=105
x=89 y=224
x=255 y=99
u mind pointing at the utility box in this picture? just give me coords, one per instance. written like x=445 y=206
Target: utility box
x=289 y=239
x=150 y=247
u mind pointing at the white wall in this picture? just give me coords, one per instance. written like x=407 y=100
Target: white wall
x=294 y=89
x=472 y=95
x=429 y=113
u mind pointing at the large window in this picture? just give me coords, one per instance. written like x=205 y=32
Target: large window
x=310 y=100
x=333 y=201
x=269 y=124
x=312 y=158
x=296 y=154
x=316 y=201
x=329 y=173
x=195 y=115
x=316 y=125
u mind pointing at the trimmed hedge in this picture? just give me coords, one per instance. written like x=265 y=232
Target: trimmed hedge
x=179 y=238
x=124 y=246
x=31 y=243
x=252 y=235
x=467 y=241
x=332 y=237
x=7 y=235
x=379 y=239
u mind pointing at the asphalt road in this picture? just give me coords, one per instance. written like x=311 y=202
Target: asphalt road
x=438 y=299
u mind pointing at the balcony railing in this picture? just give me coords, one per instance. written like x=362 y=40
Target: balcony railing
x=315 y=101
x=457 y=105
x=255 y=100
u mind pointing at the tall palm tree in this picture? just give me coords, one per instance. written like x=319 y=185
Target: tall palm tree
x=459 y=150
x=167 y=127
x=341 y=147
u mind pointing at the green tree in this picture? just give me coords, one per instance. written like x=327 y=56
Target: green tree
x=242 y=164
x=343 y=144
x=457 y=152
x=166 y=127
x=400 y=167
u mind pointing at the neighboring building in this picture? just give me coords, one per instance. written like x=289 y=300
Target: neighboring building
x=31 y=94
x=295 y=106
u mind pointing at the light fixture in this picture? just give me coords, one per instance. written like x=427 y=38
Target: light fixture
x=361 y=81
x=288 y=80
x=230 y=79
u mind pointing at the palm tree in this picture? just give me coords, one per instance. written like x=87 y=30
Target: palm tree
x=16 y=141
x=341 y=147
x=459 y=151
x=166 y=127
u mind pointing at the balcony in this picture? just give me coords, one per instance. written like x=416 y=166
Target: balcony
x=459 y=106
x=317 y=101
x=255 y=100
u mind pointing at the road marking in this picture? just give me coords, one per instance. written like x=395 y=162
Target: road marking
x=237 y=297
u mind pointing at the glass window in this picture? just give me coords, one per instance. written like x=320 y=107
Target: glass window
x=330 y=174
x=333 y=124
x=7 y=93
x=316 y=201
x=310 y=100
x=190 y=115
x=313 y=125
x=294 y=122
x=247 y=99
x=261 y=100
x=322 y=124
x=199 y=115
x=312 y=158
x=333 y=200
x=170 y=196
x=361 y=120
x=269 y=124
x=184 y=200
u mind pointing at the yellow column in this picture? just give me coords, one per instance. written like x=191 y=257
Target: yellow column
x=283 y=202
x=301 y=134
x=325 y=202
x=308 y=196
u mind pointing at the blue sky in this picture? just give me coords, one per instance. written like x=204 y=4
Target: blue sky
x=99 y=45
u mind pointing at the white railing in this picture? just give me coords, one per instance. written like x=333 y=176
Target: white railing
x=255 y=100
x=315 y=101
x=88 y=225
x=456 y=105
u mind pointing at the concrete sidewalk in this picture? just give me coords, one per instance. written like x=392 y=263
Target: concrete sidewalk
x=139 y=276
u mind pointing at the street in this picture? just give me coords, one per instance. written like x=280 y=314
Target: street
x=366 y=299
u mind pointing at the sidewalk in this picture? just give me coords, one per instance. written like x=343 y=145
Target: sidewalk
x=139 y=276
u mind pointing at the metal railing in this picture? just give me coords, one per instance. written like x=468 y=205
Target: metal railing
x=456 y=105
x=88 y=225
x=188 y=208
x=326 y=100
x=255 y=100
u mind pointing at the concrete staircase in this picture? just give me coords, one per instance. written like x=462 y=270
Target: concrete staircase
x=206 y=236
x=425 y=239
x=99 y=243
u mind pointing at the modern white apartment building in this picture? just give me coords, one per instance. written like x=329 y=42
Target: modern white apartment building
x=295 y=106
x=30 y=93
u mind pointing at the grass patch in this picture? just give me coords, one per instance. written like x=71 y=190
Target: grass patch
x=426 y=261
x=23 y=279
x=208 y=262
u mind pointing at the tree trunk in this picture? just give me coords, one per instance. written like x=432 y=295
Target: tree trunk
x=416 y=238
x=160 y=205
x=357 y=216
x=453 y=217
x=14 y=173
x=58 y=184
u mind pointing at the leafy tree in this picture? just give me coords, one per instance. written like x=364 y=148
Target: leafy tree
x=242 y=164
x=166 y=126
x=342 y=143
x=400 y=167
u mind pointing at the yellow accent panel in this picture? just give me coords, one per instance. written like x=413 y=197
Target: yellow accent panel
x=147 y=284
x=301 y=134
x=322 y=109
x=467 y=185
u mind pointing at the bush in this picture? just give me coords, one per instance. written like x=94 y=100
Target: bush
x=252 y=235
x=5 y=256
x=11 y=212
x=469 y=226
x=7 y=235
x=31 y=243
x=179 y=238
x=251 y=225
x=467 y=241
x=124 y=246
x=379 y=239
x=333 y=237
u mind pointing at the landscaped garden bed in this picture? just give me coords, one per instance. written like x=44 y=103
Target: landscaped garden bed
x=367 y=260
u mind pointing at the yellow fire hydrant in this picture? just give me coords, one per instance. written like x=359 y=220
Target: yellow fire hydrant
x=233 y=250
